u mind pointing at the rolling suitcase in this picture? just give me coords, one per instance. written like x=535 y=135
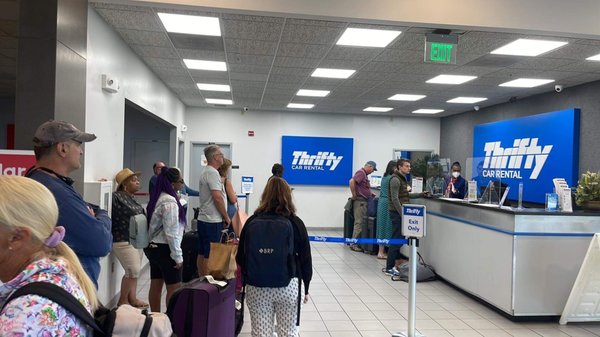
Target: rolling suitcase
x=368 y=232
x=348 y=223
x=189 y=247
x=201 y=309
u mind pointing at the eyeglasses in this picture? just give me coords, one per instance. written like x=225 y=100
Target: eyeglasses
x=180 y=181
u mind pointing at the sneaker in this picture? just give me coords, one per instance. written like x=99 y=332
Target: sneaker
x=392 y=272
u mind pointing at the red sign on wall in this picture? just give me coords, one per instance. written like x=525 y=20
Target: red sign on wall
x=15 y=162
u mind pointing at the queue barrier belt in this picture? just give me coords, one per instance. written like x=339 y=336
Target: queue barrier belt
x=358 y=241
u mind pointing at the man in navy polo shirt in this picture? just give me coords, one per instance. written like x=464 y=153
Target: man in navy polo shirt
x=361 y=192
x=57 y=147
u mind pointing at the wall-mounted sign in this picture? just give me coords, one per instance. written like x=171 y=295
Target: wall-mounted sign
x=317 y=160
x=532 y=150
x=15 y=162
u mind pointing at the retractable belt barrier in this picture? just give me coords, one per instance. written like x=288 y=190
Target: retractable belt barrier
x=358 y=241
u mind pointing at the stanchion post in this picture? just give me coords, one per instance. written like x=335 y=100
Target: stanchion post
x=247 y=203
x=413 y=226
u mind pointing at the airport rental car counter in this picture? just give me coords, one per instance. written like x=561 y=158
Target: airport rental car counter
x=523 y=262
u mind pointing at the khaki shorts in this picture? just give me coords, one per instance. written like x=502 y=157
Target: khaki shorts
x=129 y=257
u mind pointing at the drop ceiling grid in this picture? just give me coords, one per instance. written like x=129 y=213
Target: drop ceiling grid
x=265 y=60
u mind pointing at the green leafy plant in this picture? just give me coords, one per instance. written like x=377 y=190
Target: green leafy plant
x=588 y=188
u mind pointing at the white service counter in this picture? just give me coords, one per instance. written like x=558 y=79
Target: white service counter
x=522 y=262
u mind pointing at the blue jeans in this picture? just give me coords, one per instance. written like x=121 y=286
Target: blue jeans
x=394 y=251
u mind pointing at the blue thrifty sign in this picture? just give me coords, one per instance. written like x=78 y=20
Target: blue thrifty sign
x=358 y=241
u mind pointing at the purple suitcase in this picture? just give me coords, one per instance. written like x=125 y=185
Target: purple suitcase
x=200 y=309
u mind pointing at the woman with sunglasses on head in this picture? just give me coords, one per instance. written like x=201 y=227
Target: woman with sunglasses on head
x=166 y=217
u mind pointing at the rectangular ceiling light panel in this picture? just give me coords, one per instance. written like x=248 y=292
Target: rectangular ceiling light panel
x=377 y=109
x=528 y=47
x=300 y=106
x=451 y=79
x=213 y=87
x=405 y=97
x=594 y=58
x=205 y=65
x=427 y=111
x=313 y=93
x=526 y=83
x=333 y=73
x=219 y=101
x=360 y=37
x=467 y=100
x=190 y=24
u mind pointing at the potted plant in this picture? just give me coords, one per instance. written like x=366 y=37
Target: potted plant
x=588 y=190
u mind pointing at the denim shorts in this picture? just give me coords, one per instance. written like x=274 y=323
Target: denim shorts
x=208 y=232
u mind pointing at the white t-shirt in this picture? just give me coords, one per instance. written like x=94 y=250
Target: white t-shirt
x=210 y=180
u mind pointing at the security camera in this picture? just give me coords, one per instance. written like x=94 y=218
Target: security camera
x=476 y=108
x=245 y=108
x=558 y=88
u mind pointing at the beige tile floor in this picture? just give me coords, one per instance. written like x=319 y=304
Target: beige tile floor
x=351 y=297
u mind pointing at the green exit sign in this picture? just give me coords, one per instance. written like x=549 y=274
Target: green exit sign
x=441 y=48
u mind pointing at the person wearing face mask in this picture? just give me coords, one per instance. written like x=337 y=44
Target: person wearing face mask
x=456 y=186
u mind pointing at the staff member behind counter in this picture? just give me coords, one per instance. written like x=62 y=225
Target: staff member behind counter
x=456 y=186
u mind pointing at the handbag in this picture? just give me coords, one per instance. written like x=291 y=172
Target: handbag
x=238 y=221
x=221 y=262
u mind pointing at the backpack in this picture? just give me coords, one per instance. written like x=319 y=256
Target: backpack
x=122 y=321
x=138 y=231
x=424 y=271
x=269 y=251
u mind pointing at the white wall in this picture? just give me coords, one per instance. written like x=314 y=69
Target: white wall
x=105 y=112
x=318 y=206
x=105 y=116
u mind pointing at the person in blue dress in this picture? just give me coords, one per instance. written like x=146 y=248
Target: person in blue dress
x=384 y=223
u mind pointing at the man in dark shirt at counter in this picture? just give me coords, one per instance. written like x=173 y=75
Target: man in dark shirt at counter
x=361 y=192
x=399 y=194
x=57 y=147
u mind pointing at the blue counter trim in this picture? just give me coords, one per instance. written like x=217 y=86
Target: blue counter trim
x=503 y=231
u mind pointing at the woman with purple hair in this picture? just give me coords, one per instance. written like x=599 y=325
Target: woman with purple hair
x=167 y=221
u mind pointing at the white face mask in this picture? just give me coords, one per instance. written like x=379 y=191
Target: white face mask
x=456 y=174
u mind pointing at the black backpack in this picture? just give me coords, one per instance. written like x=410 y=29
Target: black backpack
x=269 y=251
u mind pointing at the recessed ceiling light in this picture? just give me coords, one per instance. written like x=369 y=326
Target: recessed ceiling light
x=427 y=111
x=361 y=37
x=451 y=79
x=213 y=87
x=467 y=100
x=190 y=24
x=219 y=101
x=205 y=65
x=594 y=58
x=333 y=73
x=377 y=109
x=528 y=47
x=405 y=97
x=526 y=83
x=313 y=93
x=300 y=106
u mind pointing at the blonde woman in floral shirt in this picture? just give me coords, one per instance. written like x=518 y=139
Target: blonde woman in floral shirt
x=31 y=250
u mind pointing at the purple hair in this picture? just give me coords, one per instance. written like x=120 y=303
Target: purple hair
x=164 y=182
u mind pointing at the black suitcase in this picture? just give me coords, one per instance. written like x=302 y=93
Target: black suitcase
x=368 y=232
x=189 y=247
x=348 y=223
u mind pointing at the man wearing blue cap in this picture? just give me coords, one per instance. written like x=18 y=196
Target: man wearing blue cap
x=361 y=191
